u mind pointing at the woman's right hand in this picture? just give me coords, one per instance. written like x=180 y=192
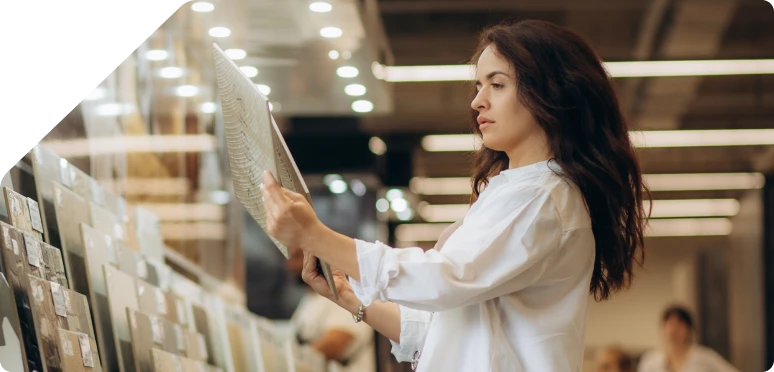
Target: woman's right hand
x=317 y=281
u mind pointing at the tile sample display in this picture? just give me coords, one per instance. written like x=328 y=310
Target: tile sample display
x=12 y=353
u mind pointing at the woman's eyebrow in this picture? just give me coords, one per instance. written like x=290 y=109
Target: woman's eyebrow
x=492 y=74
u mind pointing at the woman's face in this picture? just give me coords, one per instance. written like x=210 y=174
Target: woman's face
x=505 y=124
x=676 y=331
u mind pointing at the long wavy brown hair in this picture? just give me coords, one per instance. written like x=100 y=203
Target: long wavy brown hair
x=563 y=83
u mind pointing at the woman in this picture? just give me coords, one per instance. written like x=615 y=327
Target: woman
x=557 y=214
x=680 y=353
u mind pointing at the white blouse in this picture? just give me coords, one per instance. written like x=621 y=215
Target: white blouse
x=506 y=292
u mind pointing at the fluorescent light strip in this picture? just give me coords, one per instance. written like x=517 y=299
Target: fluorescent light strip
x=429 y=232
x=625 y=69
x=193 y=230
x=186 y=212
x=661 y=209
x=641 y=139
x=656 y=182
x=148 y=186
x=120 y=144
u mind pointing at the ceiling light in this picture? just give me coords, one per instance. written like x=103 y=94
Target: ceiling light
x=405 y=215
x=263 y=88
x=156 y=55
x=202 y=7
x=132 y=144
x=451 y=142
x=171 y=72
x=382 y=205
x=704 y=181
x=641 y=139
x=440 y=186
x=703 y=138
x=624 y=69
x=347 y=71
x=358 y=187
x=333 y=54
x=220 y=197
x=186 y=90
x=331 y=32
x=250 y=71
x=320 y=7
x=208 y=107
x=694 y=208
x=379 y=70
x=338 y=187
x=355 y=90
x=220 y=32
x=187 y=211
x=236 y=54
x=377 y=146
x=443 y=213
x=689 y=227
x=96 y=94
x=346 y=54
x=362 y=106
x=328 y=178
x=656 y=182
x=399 y=205
x=393 y=194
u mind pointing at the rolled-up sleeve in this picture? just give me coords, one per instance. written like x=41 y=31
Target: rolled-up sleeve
x=502 y=247
x=413 y=331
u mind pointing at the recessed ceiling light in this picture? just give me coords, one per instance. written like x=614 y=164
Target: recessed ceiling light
x=346 y=54
x=405 y=215
x=263 y=88
x=338 y=187
x=320 y=7
x=393 y=194
x=186 y=90
x=362 y=106
x=355 y=90
x=331 y=32
x=236 y=54
x=156 y=55
x=209 y=107
x=382 y=205
x=377 y=146
x=358 y=187
x=250 y=71
x=202 y=6
x=399 y=205
x=114 y=109
x=171 y=72
x=347 y=71
x=220 y=32
x=333 y=54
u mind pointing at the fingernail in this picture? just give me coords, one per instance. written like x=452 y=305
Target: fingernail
x=261 y=186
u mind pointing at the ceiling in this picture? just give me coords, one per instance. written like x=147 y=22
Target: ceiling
x=281 y=38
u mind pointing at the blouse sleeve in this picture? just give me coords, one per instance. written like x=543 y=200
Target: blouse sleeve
x=502 y=248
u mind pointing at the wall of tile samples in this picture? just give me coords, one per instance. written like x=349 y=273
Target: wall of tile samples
x=87 y=284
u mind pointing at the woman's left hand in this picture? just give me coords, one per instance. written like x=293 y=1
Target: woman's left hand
x=289 y=216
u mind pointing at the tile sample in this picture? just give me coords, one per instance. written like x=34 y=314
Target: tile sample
x=12 y=352
x=99 y=250
x=121 y=294
x=146 y=335
x=19 y=213
x=47 y=168
x=79 y=352
x=105 y=221
x=71 y=211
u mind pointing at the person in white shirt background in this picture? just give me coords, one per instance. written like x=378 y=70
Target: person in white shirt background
x=557 y=214
x=329 y=329
x=680 y=353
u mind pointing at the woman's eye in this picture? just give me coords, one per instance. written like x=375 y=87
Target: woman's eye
x=497 y=86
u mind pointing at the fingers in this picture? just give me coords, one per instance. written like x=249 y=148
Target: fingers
x=294 y=196
x=273 y=198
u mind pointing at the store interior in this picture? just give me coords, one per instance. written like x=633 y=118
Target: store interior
x=373 y=100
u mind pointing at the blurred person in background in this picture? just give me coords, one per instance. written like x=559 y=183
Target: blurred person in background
x=613 y=359
x=557 y=213
x=680 y=353
x=328 y=328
